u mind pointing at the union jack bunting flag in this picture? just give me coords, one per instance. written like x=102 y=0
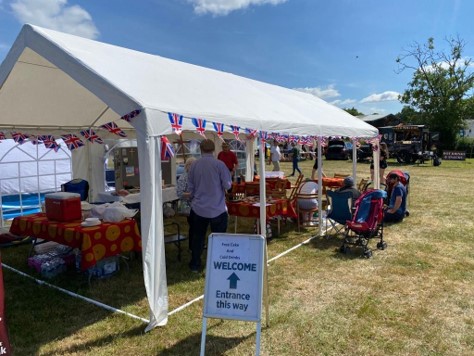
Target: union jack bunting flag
x=235 y=131
x=131 y=115
x=273 y=136
x=322 y=139
x=49 y=142
x=251 y=133
x=167 y=150
x=72 y=141
x=113 y=128
x=2 y=136
x=373 y=141
x=34 y=139
x=219 y=129
x=293 y=138
x=306 y=140
x=263 y=136
x=90 y=135
x=281 y=138
x=176 y=121
x=200 y=125
x=20 y=138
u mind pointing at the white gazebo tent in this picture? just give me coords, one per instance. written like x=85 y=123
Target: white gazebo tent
x=56 y=83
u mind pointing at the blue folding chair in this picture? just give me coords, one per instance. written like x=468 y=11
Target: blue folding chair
x=339 y=210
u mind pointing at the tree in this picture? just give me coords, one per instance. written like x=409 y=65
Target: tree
x=353 y=111
x=408 y=115
x=440 y=86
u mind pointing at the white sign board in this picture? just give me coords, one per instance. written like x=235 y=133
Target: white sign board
x=234 y=277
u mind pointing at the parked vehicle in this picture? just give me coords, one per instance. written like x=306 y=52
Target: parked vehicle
x=410 y=143
x=338 y=150
x=364 y=153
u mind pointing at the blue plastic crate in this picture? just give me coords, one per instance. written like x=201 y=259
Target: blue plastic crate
x=105 y=267
x=53 y=267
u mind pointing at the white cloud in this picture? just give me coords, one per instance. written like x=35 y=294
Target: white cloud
x=385 y=96
x=55 y=15
x=224 y=7
x=343 y=103
x=323 y=93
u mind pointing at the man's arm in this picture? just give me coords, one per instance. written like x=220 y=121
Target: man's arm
x=396 y=205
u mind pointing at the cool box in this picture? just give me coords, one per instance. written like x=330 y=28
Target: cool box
x=63 y=206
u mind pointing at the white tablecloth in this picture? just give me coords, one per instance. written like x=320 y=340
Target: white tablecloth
x=169 y=194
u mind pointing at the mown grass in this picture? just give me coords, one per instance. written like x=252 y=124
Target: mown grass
x=414 y=298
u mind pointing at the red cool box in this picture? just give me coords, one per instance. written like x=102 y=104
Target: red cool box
x=63 y=206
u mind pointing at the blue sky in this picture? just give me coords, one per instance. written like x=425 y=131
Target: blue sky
x=343 y=51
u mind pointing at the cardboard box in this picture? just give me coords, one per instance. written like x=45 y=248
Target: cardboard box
x=63 y=206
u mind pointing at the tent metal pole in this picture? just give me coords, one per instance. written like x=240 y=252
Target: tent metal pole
x=320 y=187
x=354 y=159
x=263 y=193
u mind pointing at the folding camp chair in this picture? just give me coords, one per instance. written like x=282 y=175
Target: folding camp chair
x=362 y=186
x=295 y=188
x=80 y=186
x=340 y=210
x=9 y=240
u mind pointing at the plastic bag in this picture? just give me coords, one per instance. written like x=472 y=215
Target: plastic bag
x=183 y=207
x=168 y=211
x=118 y=213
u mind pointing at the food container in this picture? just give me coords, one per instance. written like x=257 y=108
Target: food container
x=63 y=206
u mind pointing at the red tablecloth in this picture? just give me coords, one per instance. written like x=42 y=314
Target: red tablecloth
x=95 y=242
x=252 y=210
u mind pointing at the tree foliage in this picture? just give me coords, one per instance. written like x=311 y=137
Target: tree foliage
x=441 y=87
x=408 y=115
x=353 y=111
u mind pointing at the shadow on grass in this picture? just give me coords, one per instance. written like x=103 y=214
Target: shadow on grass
x=37 y=314
x=32 y=308
x=335 y=242
x=215 y=345
x=85 y=348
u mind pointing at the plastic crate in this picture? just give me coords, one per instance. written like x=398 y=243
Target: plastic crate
x=53 y=267
x=60 y=257
x=105 y=268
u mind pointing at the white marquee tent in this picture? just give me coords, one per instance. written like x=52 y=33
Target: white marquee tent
x=52 y=83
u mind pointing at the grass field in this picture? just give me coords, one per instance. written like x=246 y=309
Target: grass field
x=414 y=298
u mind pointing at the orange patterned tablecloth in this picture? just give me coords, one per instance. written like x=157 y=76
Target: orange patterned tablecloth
x=331 y=182
x=254 y=187
x=95 y=242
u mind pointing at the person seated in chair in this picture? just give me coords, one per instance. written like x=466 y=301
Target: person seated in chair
x=395 y=212
x=349 y=187
x=308 y=187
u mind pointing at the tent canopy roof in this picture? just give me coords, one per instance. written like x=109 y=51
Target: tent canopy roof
x=56 y=81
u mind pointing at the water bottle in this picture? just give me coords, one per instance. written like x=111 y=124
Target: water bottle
x=77 y=259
